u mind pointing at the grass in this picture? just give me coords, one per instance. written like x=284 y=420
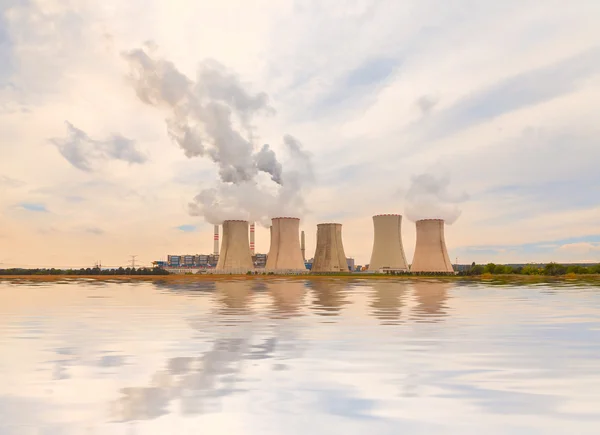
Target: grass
x=349 y=276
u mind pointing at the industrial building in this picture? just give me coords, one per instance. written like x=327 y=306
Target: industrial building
x=388 y=251
x=285 y=253
x=198 y=260
x=235 y=248
x=259 y=260
x=329 y=252
x=431 y=255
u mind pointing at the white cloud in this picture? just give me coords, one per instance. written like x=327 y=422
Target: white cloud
x=377 y=91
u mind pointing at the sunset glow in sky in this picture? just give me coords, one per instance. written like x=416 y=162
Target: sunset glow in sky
x=497 y=101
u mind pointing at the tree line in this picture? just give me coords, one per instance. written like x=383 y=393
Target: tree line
x=87 y=271
x=550 y=269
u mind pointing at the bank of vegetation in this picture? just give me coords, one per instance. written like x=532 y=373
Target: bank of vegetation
x=90 y=271
x=550 y=269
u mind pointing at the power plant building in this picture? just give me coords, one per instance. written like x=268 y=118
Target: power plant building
x=329 y=253
x=388 y=251
x=431 y=255
x=285 y=253
x=235 y=248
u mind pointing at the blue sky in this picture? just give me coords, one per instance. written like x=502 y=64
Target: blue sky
x=376 y=93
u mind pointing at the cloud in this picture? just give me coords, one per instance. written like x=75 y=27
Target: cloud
x=30 y=206
x=208 y=116
x=426 y=103
x=579 y=248
x=82 y=151
x=428 y=197
x=10 y=182
x=254 y=202
x=94 y=230
x=513 y=93
x=375 y=91
x=187 y=228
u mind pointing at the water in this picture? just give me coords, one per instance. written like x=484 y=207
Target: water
x=295 y=357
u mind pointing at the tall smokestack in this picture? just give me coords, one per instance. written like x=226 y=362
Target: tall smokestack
x=252 y=239
x=285 y=252
x=388 y=251
x=235 y=249
x=329 y=254
x=431 y=254
x=216 y=241
x=303 y=246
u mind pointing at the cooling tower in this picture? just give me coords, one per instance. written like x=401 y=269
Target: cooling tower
x=235 y=249
x=216 y=247
x=285 y=253
x=431 y=254
x=252 y=239
x=329 y=254
x=388 y=251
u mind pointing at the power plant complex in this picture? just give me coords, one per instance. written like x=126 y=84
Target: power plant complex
x=287 y=252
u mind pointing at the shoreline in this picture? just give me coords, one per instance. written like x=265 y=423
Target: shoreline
x=307 y=277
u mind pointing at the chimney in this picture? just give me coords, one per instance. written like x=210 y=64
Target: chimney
x=252 y=239
x=303 y=246
x=285 y=253
x=234 y=256
x=216 y=248
x=329 y=253
x=387 y=243
x=431 y=255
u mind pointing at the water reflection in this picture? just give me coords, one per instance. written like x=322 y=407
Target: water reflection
x=288 y=298
x=197 y=357
x=388 y=299
x=431 y=297
x=329 y=296
x=234 y=297
x=196 y=382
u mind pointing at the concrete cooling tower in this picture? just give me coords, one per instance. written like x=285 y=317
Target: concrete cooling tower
x=285 y=253
x=431 y=255
x=329 y=255
x=388 y=251
x=235 y=249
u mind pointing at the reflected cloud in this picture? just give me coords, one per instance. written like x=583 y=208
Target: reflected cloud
x=388 y=298
x=195 y=381
x=431 y=297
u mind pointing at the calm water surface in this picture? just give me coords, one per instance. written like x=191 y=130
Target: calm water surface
x=292 y=357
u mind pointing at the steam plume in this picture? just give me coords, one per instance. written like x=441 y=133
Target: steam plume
x=204 y=114
x=256 y=203
x=428 y=198
x=211 y=117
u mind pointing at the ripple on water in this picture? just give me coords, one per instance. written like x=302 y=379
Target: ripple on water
x=259 y=356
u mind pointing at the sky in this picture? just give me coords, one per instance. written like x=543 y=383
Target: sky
x=101 y=104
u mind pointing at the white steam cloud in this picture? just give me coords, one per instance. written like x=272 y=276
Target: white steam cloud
x=204 y=114
x=253 y=202
x=428 y=198
x=211 y=117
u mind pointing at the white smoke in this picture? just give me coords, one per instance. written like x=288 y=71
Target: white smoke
x=203 y=114
x=212 y=117
x=252 y=201
x=428 y=197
